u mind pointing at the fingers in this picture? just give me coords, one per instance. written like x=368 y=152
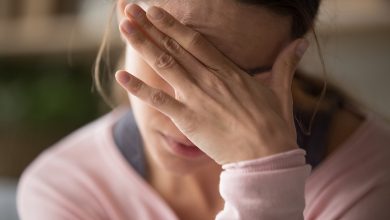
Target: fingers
x=189 y=39
x=163 y=41
x=139 y=15
x=162 y=62
x=154 y=97
x=286 y=64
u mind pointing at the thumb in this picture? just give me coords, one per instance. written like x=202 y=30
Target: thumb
x=286 y=64
x=282 y=76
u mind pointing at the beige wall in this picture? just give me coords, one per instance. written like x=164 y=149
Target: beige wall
x=355 y=38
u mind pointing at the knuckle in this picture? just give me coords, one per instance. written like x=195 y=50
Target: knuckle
x=165 y=61
x=158 y=98
x=290 y=64
x=287 y=64
x=195 y=39
x=135 y=85
x=295 y=61
x=168 y=21
x=171 y=45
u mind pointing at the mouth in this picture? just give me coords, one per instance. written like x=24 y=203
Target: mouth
x=182 y=147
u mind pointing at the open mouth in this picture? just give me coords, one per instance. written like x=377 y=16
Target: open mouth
x=182 y=148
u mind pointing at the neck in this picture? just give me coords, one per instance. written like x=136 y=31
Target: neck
x=344 y=122
x=188 y=193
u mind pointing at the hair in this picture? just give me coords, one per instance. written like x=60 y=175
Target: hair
x=302 y=12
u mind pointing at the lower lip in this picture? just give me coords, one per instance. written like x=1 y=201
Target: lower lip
x=177 y=148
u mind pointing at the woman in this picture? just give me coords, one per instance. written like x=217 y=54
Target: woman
x=210 y=88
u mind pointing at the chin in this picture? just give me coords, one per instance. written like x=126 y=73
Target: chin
x=180 y=167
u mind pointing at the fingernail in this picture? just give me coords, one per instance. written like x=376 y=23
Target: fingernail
x=155 y=13
x=133 y=10
x=122 y=77
x=302 y=47
x=128 y=27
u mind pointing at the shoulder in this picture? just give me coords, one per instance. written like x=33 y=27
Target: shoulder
x=372 y=142
x=379 y=128
x=355 y=176
x=79 y=149
x=367 y=147
x=71 y=175
x=365 y=152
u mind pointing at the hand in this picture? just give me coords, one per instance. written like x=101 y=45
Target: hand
x=219 y=107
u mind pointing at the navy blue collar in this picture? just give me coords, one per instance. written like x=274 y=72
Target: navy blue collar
x=129 y=142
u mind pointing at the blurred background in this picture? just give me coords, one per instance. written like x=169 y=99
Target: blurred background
x=47 y=52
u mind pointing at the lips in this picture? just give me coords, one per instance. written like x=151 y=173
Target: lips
x=185 y=142
x=182 y=147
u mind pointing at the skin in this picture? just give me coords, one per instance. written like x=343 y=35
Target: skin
x=250 y=116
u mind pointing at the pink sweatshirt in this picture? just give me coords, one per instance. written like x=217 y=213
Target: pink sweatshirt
x=85 y=177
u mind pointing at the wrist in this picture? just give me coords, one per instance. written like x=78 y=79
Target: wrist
x=252 y=153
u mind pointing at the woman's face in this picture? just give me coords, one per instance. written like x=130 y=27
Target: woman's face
x=251 y=36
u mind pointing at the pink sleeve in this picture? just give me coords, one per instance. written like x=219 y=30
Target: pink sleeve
x=265 y=188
